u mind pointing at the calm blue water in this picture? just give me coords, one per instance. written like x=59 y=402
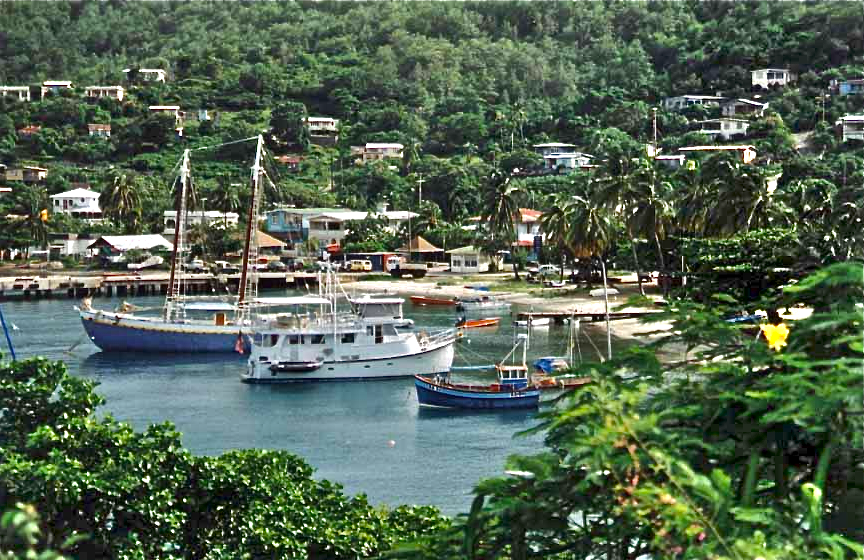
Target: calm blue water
x=344 y=430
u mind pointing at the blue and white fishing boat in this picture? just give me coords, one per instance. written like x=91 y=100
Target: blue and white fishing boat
x=512 y=391
x=226 y=330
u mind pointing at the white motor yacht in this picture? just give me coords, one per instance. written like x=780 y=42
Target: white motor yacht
x=316 y=342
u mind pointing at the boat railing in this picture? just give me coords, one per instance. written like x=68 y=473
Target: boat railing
x=303 y=322
x=436 y=338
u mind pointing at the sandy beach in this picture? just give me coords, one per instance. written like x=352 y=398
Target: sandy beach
x=577 y=301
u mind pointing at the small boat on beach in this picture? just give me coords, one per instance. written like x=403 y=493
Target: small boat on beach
x=423 y=300
x=512 y=390
x=464 y=323
x=533 y=322
x=483 y=303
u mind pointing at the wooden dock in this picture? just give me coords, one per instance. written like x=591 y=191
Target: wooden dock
x=36 y=286
x=588 y=317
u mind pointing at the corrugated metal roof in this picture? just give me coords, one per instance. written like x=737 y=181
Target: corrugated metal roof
x=77 y=193
x=124 y=243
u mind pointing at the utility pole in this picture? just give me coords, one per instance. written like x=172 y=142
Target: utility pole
x=420 y=182
x=654 y=118
x=822 y=97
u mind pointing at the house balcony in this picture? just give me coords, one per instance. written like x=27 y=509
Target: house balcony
x=856 y=133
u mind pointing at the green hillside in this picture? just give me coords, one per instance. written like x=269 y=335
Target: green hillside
x=467 y=88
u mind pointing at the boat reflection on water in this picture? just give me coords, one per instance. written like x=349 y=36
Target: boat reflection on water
x=515 y=416
x=136 y=363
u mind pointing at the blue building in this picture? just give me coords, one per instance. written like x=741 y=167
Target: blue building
x=852 y=87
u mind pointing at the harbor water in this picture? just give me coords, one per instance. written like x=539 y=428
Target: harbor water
x=371 y=437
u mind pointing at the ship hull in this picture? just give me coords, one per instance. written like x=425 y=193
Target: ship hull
x=433 y=360
x=117 y=332
x=442 y=396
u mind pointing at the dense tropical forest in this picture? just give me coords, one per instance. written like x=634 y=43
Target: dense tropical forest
x=467 y=88
x=736 y=449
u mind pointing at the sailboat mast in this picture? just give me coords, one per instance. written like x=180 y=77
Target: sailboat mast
x=247 y=289
x=179 y=244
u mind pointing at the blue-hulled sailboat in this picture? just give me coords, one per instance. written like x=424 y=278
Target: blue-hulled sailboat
x=512 y=390
x=229 y=327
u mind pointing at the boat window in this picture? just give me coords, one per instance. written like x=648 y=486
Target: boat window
x=379 y=334
x=389 y=329
x=348 y=338
x=317 y=339
x=369 y=330
x=295 y=339
x=269 y=340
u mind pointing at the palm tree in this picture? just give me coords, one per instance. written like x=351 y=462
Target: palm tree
x=739 y=197
x=620 y=191
x=226 y=196
x=31 y=204
x=500 y=207
x=591 y=229
x=579 y=225
x=121 y=198
x=651 y=210
x=555 y=223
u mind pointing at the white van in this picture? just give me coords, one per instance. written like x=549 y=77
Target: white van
x=360 y=266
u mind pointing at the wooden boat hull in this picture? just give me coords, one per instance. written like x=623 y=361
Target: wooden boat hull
x=443 y=395
x=478 y=323
x=119 y=332
x=423 y=300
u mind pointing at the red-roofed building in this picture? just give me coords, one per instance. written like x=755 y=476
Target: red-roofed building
x=29 y=131
x=291 y=162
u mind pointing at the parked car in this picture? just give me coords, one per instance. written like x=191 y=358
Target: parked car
x=196 y=265
x=360 y=266
x=544 y=270
x=277 y=266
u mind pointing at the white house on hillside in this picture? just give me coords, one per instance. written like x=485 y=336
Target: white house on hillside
x=96 y=92
x=377 y=151
x=724 y=128
x=55 y=86
x=734 y=107
x=207 y=217
x=745 y=152
x=550 y=148
x=100 y=130
x=567 y=161
x=148 y=74
x=20 y=92
x=81 y=203
x=851 y=127
x=684 y=101
x=767 y=77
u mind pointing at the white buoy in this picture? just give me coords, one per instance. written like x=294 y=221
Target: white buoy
x=391 y=443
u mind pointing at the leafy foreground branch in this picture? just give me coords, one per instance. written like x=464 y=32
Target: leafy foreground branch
x=104 y=491
x=739 y=451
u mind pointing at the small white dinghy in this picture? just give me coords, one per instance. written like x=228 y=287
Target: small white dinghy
x=534 y=322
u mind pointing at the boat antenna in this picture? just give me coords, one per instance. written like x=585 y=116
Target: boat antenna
x=247 y=290
x=174 y=281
